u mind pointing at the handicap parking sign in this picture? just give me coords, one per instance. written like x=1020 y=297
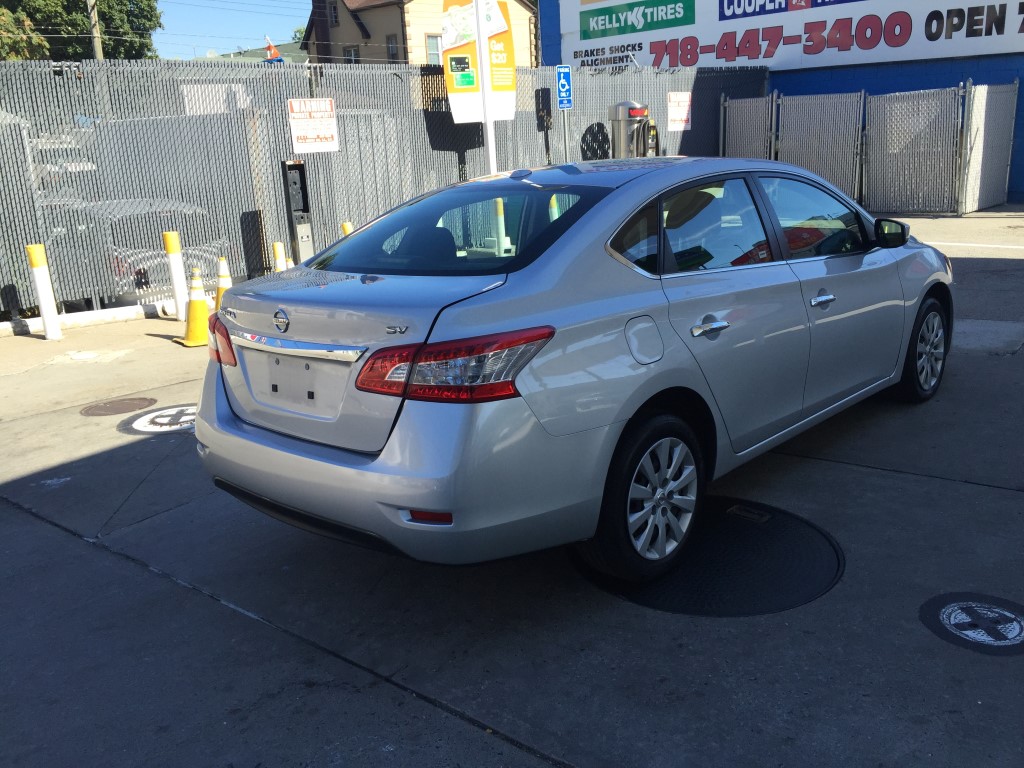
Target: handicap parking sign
x=563 y=78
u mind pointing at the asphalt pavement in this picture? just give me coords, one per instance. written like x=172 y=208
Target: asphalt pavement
x=151 y=620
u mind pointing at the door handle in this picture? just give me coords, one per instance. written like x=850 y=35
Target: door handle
x=822 y=301
x=704 y=328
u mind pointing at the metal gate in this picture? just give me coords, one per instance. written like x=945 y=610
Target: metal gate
x=823 y=134
x=910 y=158
x=749 y=127
x=989 y=112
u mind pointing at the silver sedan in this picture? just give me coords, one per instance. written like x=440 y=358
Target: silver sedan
x=563 y=356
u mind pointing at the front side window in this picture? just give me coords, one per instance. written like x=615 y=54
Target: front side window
x=334 y=14
x=814 y=222
x=712 y=226
x=476 y=229
x=350 y=54
x=392 y=45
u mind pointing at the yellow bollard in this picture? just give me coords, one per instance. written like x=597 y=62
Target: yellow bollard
x=196 y=328
x=279 y=259
x=223 y=281
x=44 y=291
x=288 y=263
x=172 y=247
x=553 y=212
x=346 y=228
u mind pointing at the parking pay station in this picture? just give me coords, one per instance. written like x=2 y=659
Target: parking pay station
x=296 y=198
x=633 y=132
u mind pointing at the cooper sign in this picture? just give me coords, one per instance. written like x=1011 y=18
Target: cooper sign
x=783 y=34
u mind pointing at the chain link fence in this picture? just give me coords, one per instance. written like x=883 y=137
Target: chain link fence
x=833 y=148
x=988 y=141
x=101 y=157
x=935 y=151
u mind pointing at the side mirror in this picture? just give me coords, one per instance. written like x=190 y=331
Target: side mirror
x=890 y=233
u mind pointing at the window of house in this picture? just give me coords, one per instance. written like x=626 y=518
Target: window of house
x=350 y=54
x=392 y=44
x=334 y=14
x=433 y=49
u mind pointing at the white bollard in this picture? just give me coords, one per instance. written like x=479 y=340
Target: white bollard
x=44 y=291
x=172 y=247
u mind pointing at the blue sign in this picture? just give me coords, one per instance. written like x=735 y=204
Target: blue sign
x=563 y=78
x=740 y=9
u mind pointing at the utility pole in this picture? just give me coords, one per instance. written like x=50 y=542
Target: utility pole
x=94 y=26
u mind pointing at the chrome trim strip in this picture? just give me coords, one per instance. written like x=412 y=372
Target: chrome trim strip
x=297 y=348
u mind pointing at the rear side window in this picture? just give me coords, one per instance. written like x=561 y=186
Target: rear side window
x=712 y=226
x=473 y=229
x=814 y=223
x=637 y=240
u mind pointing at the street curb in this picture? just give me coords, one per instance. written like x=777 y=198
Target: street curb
x=34 y=325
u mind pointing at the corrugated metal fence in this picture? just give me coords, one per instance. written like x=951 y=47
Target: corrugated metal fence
x=934 y=151
x=100 y=157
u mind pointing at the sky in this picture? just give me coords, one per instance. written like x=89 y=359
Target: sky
x=192 y=28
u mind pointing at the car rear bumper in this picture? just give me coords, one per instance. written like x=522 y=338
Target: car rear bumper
x=510 y=486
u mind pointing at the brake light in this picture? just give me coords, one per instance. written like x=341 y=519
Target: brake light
x=472 y=370
x=221 y=350
x=387 y=370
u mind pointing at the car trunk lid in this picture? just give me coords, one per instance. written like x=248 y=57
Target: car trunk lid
x=301 y=337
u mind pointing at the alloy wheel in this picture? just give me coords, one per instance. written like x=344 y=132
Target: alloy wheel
x=931 y=351
x=662 y=498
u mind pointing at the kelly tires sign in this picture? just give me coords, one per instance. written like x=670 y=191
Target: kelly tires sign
x=783 y=34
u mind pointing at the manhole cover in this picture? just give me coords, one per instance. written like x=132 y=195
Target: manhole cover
x=980 y=623
x=744 y=559
x=117 y=407
x=176 y=418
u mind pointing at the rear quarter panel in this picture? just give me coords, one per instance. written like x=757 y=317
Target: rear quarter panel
x=586 y=377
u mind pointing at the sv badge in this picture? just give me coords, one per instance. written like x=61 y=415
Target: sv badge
x=393 y=329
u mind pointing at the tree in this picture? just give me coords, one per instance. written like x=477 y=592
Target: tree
x=18 y=37
x=298 y=34
x=126 y=27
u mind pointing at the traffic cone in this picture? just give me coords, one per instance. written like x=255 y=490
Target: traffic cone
x=279 y=261
x=223 y=281
x=196 y=333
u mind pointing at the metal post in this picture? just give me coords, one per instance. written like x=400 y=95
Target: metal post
x=858 y=171
x=565 y=134
x=1009 y=154
x=94 y=28
x=962 y=146
x=721 y=124
x=483 y=55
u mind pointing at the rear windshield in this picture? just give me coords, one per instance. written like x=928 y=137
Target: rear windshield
x=474 y=229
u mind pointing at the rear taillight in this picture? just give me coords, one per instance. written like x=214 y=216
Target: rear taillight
x=221 y=350
x=465 y=371
x=386 y=370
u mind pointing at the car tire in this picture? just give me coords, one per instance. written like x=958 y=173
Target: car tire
x=652 y=496
x=926 y=354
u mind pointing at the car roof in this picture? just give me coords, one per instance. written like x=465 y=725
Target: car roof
x=614 y=173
